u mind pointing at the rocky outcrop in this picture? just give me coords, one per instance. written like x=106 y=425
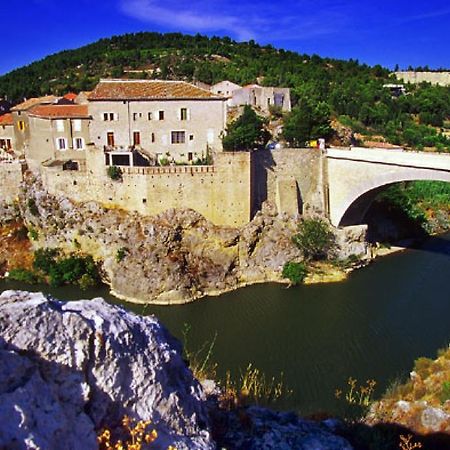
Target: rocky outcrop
x=174 y=257
x=259 y=428
x=422 y=404
x=68 y=369
x=171 y=258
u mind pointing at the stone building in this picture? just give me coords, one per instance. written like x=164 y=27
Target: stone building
x=225 y=88
x=7 y=135
x=57 y=132
x=261 y=97
x=21 y=122
x=165 y=121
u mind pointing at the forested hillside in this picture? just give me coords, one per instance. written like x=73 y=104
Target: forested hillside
x=322 y=88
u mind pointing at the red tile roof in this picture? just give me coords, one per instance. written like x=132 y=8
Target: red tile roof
x=6 y=119
x=149 y=90
x=60 y=111
x=70 y=96
x=27 y=104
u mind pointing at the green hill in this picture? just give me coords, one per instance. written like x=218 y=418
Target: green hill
x=322 y=88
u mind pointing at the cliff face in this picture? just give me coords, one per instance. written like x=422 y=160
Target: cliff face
x=174 y=257
x=169 y=258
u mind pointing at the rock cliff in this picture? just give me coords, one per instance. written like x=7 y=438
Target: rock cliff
x=174 y=257
x=67 y=369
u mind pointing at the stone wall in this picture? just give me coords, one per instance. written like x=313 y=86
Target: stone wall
x=441 y=78
x=289 y=178
x=222 y=193
x=10 y=180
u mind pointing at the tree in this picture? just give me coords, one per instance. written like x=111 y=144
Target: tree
x=306 y=122
x=246 y=132
x=294 y=272
x=314 y=239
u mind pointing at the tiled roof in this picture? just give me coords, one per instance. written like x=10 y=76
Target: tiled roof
x=6 y=119
x=27 y=104
x=70 y=96
x=60 y=111
x=148 y=90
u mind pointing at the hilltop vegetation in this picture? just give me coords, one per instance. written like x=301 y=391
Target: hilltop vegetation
x=322 y=88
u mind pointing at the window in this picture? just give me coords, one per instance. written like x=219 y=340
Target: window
x=149 y=116
x=109 y=116
x=77 y=125
x=191 y=137
x=190 y=156
x=161 y=115
x=59 y=125
x=21 y=125
x=153 y=137
x=178 y=137
x=78 y=143
x=136 y=138
x=183 y=114
x=110 y=138
x=137 y=116
x=61 y=144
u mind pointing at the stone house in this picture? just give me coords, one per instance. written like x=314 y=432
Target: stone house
x=165 y=121
x=225 y=88
x=262 y=98
x=21 y=122
x=57 y=133
x=7 y=135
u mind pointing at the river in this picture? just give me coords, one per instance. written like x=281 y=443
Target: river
x=371 y=326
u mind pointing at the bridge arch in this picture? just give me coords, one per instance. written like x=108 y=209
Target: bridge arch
x=357 y=209
x=355 y=178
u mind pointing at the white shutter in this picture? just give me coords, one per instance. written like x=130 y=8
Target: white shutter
x=189 y=114
x=210 y=136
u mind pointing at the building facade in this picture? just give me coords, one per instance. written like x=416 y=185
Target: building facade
x=57 y=132
x=262 y=98
x=21 y=122
x=7 y=135
x=166 y=121
x=225 y=88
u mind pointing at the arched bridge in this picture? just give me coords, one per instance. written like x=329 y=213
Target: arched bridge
x=356 y=176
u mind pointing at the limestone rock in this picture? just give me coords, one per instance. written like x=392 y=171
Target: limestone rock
x=68 y=369
x=262 y=429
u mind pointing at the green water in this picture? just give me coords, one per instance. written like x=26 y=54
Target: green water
x=371 y=326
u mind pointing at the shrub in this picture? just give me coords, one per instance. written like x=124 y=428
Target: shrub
x=44 y=259
x=121 y=253
x=115 y=173
x=34 y=235
x=74 y=269
x=314 y=239
x=23 y=275
x=445 y=394
x=295 y=272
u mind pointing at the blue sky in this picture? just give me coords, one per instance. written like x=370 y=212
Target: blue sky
x=377 y=31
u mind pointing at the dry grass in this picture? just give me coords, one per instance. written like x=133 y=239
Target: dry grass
x=252 y=387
